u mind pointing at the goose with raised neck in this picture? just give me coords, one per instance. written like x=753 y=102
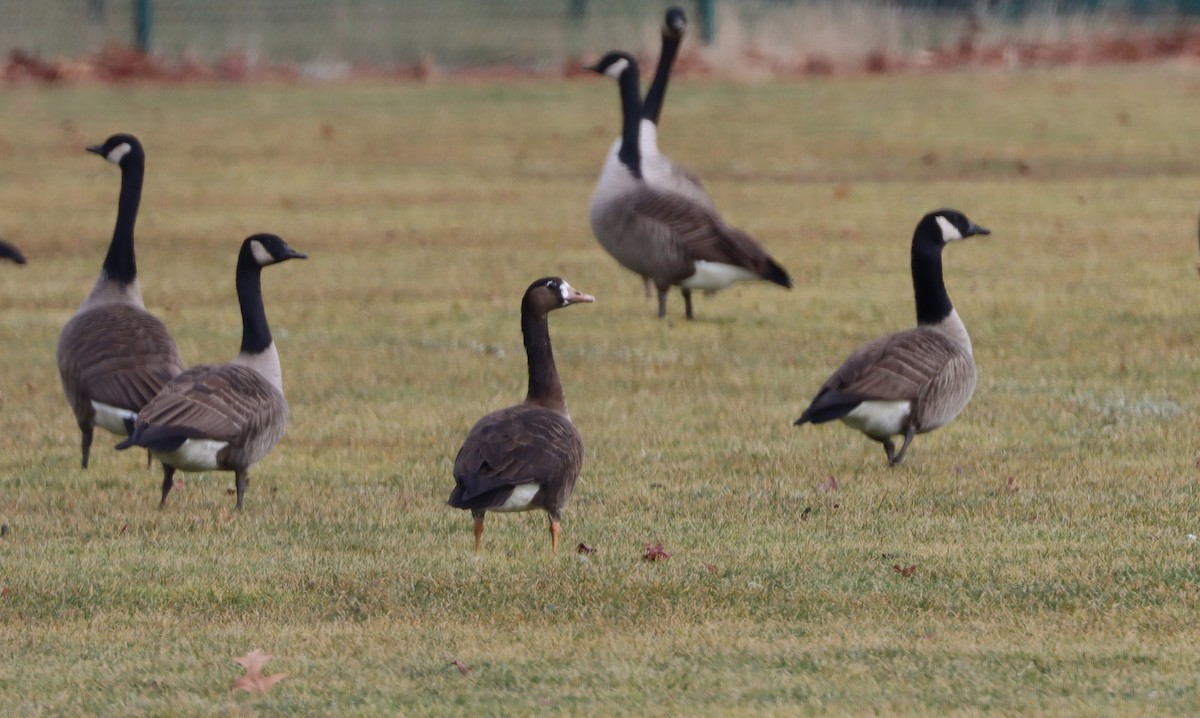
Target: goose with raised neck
x=526 y=456
x=113 y=356
x=224 y=417
x=661 y=234
x=917 y=380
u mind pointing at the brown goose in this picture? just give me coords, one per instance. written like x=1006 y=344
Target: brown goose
x=224 y=417
x=7 y=251
x=113 y=355
x=917 y=380
x=526 y=456
x=663 y=234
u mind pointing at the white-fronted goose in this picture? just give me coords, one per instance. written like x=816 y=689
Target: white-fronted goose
x=11 y=253
x=917 y=380
x=224 y=417
x=526 y=456
x=113 y=355
x=662 y=234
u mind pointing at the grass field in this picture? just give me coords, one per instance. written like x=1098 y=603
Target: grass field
x=1049 y=524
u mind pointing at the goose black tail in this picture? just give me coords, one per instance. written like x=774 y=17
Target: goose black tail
x=776 y=274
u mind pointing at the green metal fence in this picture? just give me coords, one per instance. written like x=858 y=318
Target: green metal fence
x=323 y=35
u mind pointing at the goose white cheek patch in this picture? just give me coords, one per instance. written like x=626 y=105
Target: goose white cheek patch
x=261 y=255
x=614 y=70
x=118 y=153
x=949 y=231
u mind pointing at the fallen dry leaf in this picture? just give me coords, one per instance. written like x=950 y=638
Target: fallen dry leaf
x=830 y=484
x=1010 y=486
x=5 y=591
x=254 y=681
x=655 y=552
x=584 y=548
x=462 y=667
x=904 y=571
x=711 y=568
x=804 y=514
x=842 y=191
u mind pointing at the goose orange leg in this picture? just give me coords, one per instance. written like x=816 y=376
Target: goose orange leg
x=478 y=531
x=554 y=535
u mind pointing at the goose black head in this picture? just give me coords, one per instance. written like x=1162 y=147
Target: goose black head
x=675 y=23
x=949 y=225
x=554 y=293
x=615 y=64
x=267 y=249
x=119 y=148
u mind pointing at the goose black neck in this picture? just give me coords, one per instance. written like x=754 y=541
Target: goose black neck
x=652 y=107
x=120 y=264
x=256 y=334
x=544 y=385
x=630 y=154
x=933 y=304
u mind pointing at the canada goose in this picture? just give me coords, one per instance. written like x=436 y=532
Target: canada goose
x=917 y=380
x=7 y=251
x=658 y=169
x=526 y=456
x=661 y=234
x=113 y=355
x=224 y=417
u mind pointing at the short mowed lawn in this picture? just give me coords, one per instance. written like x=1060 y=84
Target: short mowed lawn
x=1036 y=556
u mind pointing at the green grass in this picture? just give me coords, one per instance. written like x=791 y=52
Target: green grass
x=426 y=211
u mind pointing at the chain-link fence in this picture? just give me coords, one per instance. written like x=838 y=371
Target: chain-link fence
x=328 y=36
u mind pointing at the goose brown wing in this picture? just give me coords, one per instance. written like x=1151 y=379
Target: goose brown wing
x=225 y=402
x=706 y=237
x=118 y=354
x=892 y=368
x=515 y=446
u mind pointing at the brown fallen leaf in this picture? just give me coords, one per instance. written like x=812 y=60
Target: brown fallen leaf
x=904 y=571
x=842 y=191
x=804 y=514
x=5 y=591
x=584 y=548
x=462 y=667
x=254 y=681
x=1010 y=486
x=828 y=485
x=711 y=568
x=655 y=552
